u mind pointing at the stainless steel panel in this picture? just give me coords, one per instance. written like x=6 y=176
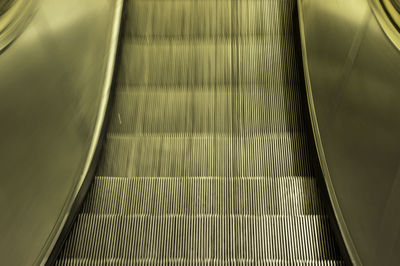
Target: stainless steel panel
x=54 y=86
x=352 y=67
x=15 y=15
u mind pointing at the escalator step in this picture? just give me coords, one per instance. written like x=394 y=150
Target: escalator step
x=201 y=237
x=207 y=159
x=205 y=155
x=203 y=196
x=209 y=262
x=207 y=63
x=207 y=18
x=253 y=111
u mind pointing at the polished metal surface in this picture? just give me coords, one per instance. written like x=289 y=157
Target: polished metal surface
x=352 y=65
x=207 y=159
x=15 y=15
x=54 y=84
x=396 y=4
x=5 y=6
x=388 y=16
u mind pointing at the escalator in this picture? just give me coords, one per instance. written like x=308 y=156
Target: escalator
x=208 y=157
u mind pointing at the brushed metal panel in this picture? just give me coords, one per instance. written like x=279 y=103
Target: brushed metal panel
x=352 y=73
x=54 y=86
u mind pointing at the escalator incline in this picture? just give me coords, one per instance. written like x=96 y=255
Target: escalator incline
x=207 y=158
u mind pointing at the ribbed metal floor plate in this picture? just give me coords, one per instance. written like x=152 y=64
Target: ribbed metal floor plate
x=188 y=156
x=207 y=160
x=241 y=61
x=254 y=110
x=204 y=196
x=208 y=18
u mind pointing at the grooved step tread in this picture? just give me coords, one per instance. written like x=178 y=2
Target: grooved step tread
x=266 y=61
x=206 y=155
x=200 y=262
x=201 y=237
x=207 y=159
x=207 y=18
x=254 y=110
x=204 y=196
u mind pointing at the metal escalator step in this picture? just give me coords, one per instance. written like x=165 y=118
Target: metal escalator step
x=200 y=262
x=207 y=18
x=253 y=110
x=206 y=161
x=204 y=63
x=146 y=262
x=272 y=155
x=204 y=196
x=201 y=238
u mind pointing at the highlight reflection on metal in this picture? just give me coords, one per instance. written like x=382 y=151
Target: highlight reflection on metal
x=388 y=17
x=14 y=17
x=54 y=85
x=352 y=73
x=392 y=8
